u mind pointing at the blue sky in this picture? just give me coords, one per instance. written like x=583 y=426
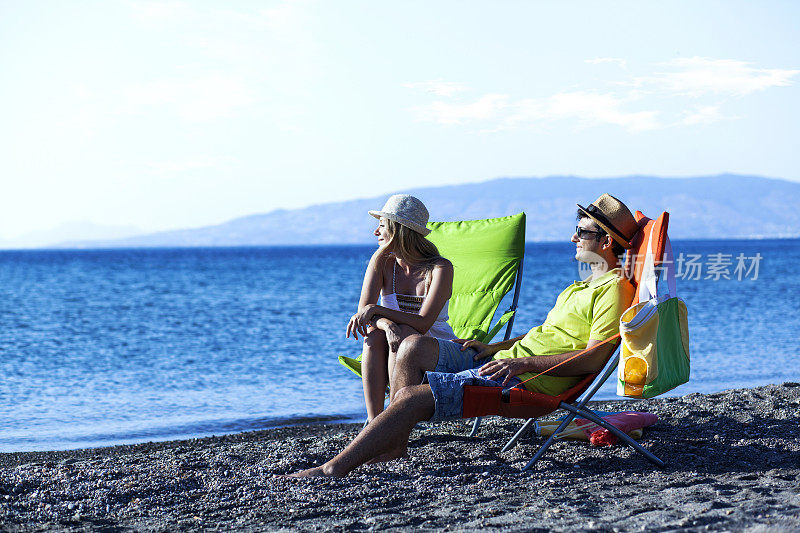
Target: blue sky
x=173 y=114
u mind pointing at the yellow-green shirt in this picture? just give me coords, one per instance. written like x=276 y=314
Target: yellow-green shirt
x=583 y=311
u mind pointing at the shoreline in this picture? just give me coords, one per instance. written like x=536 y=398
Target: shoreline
x=280 y=423
x=733 y=463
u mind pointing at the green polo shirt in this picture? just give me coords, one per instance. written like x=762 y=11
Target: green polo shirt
x=584 y=311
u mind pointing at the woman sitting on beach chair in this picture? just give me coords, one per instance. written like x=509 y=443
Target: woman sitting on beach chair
x=414 y=283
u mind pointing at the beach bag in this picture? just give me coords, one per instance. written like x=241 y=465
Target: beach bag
x=654 y=356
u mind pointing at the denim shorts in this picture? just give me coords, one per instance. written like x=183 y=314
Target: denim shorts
x=455 y=369
x=453 y=359
x=448 y=390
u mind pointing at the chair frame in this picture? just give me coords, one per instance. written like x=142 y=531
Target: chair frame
x=578 y=408
x=517 y=285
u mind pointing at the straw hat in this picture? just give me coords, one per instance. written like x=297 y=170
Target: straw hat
x=406 y=210
x=614 y=217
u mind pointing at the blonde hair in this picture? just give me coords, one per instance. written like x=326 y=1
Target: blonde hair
x=410 y=246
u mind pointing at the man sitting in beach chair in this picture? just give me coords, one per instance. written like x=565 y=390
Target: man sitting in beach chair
x=585 y=314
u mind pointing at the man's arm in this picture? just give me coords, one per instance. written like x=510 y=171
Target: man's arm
x=589 y=363
x=487 y=350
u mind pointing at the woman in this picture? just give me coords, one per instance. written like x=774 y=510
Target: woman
x=414 y=283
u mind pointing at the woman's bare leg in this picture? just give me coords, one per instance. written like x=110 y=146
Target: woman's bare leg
x=374 y=373
x=405 y=331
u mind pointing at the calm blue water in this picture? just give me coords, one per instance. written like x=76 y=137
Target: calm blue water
x=111 y=347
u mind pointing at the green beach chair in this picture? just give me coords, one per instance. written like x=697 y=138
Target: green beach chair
x=487 y=257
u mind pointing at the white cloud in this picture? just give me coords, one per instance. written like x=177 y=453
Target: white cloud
x=284 y=17
x=198 y=99
x=585 y=108
x=699 y=76
x=664 y=99
x=592 y=109
x=487 y=107
x=185 y=165
x=602 y=60
x=702 y=115
x=159 y=11
x=437 y=87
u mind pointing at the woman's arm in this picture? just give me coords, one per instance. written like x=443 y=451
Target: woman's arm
x=373 y=281
x=370 y=291
x=394 y=332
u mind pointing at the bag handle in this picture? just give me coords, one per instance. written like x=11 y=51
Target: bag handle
x=651 y=276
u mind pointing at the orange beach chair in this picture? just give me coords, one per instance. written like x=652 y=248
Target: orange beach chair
x=519 y=403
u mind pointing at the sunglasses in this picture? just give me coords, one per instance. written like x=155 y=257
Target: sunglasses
x=584 y=233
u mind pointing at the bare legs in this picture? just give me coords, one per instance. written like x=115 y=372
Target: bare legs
x=377 y=365
x=383 y=436
x=417 y=354
x=386 y=436
x=374 y=371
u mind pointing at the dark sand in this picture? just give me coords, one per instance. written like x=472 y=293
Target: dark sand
x=732 y=465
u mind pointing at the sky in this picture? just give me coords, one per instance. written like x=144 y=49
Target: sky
x=167 y=114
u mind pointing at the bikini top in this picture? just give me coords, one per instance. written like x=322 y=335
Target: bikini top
x=408 y=303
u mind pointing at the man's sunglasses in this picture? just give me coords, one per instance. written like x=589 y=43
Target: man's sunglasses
x=585 y=233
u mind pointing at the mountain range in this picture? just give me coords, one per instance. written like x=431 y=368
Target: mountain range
x=713 y=207
x=70 y=232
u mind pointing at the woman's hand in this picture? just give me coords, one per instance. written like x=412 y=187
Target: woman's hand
x=484 y=350
x=504 y=369
x=360 y=321
x=393 y=337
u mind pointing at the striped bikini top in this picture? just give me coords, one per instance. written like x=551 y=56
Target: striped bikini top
x=411 y=303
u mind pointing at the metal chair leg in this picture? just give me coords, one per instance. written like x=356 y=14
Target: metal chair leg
x=475 y=424
x=590 y=415
x=518 y=434
x=550 y=440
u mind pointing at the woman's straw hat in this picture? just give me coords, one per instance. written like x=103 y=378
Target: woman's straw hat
x=614 y=217
x=406 y=210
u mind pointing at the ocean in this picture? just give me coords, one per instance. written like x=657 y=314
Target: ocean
x=106 y=347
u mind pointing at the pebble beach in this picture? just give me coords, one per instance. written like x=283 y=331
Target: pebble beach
x=732 y=464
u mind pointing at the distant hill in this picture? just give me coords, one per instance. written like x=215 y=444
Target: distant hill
x=719 y=207
x=70 y=232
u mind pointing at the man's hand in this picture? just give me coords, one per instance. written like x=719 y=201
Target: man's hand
x=504 y=369
x=484 y=350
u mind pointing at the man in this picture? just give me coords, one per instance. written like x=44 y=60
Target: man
x=585 y=314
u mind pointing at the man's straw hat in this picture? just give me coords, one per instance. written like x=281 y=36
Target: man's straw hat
x=406 y=210
x=614 y=217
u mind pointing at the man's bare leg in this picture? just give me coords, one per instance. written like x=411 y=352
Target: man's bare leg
x=417 y=355
x=386 y=435
x=374 y=373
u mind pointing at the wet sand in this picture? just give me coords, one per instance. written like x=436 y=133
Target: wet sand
x=732 y=464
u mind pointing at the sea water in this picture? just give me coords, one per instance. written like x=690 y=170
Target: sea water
x=109 y=347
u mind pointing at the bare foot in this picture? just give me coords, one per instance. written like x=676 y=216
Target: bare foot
x=311 y=472
x=389 y=456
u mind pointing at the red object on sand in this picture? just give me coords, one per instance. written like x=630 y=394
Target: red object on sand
x=626 y=421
